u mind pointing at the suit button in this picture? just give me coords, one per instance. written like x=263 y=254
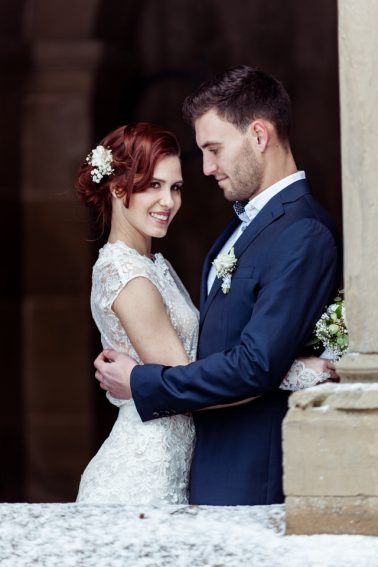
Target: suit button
x=156 y=414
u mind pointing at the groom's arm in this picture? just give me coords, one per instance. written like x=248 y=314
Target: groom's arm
x=295 y=287
x=299 y=281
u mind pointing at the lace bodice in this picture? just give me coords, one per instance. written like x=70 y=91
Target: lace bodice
x=140 y=463
x=116 y=266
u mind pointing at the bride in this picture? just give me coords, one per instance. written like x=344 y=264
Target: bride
x=133 y=180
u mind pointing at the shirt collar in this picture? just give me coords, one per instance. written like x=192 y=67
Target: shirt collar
x=247 y=210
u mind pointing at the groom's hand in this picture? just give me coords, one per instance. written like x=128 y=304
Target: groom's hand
x=113 y=371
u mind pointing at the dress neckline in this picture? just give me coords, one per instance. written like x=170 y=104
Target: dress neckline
x=121 y=243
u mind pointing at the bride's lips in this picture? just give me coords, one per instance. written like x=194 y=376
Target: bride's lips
x=160 y=217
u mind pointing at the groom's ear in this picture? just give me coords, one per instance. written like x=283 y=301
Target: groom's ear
x=260 y=133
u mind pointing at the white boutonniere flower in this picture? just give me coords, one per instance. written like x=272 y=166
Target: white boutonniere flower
x=224 y=265
x=101 y=160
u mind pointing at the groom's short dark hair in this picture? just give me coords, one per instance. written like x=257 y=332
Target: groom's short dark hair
x=240 y=95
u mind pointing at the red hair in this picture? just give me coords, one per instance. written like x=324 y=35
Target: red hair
x=136 y=149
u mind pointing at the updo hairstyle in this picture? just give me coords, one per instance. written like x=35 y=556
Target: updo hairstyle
x=136 y=149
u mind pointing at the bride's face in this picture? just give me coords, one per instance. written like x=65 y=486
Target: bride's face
x=151 y=211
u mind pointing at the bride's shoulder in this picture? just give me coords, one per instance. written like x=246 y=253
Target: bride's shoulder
x=119 y=258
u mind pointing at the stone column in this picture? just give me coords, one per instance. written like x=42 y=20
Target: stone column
x=358 y=52
x=331 y=432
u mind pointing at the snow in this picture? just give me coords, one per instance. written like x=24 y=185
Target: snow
x=117 y=536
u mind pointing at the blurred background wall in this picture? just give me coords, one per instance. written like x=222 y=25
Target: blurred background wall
x=70 y=72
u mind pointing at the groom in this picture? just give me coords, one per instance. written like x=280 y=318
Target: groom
x=287 y=268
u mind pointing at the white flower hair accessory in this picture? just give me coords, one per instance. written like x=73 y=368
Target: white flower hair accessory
x=224 y=265
x=101 y=161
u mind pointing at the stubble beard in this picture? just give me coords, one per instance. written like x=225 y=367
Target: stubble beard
x=246 y=177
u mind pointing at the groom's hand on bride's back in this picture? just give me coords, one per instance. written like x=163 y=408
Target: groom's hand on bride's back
x=113 y=371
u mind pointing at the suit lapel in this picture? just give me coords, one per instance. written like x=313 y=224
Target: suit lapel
x=265 y=217
x=270 y=213
x=262 y=220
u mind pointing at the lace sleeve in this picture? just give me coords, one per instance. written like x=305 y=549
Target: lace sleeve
x=300 y=377
x=116 y=268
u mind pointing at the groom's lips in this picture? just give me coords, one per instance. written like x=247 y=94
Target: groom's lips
x=220 y=179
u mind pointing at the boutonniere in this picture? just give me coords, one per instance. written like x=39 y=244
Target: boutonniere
x=224 y=265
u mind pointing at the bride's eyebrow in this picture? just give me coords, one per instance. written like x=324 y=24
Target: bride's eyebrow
x=165 y=181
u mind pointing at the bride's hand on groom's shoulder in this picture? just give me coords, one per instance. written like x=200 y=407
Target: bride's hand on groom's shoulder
x=113 y=371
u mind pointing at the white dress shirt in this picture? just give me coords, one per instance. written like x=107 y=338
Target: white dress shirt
x=252 y=208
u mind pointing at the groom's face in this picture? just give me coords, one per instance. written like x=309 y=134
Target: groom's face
x=229 y=156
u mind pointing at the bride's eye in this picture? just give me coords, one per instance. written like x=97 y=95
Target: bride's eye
x=155 y=184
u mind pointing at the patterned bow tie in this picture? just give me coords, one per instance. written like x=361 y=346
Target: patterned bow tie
x=239 y=208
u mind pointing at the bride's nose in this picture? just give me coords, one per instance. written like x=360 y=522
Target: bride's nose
x=166 y=199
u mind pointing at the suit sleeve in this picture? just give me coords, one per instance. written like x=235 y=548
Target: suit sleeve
x=296 y=284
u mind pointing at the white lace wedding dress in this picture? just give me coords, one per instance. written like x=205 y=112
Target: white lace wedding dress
x=140 y=463
x=147 y=463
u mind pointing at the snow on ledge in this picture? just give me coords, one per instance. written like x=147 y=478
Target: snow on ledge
x=75 y=535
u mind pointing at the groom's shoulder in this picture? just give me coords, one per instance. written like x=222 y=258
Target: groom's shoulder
x=307 y=216
x=299 y=202
x=317 y=211
x=307 y=206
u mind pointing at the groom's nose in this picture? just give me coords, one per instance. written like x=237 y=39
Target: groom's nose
x=209 y=165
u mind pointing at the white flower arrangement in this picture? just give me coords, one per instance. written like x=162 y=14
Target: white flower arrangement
x=101 y=160
x=224 y=265
x=331 y=329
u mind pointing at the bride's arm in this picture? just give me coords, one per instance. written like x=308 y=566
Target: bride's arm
x=142 y=313
x=307 y=372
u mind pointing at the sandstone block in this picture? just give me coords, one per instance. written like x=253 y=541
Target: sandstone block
x=332 y=515
x=331 y=442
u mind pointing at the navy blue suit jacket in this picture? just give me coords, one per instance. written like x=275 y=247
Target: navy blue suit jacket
x=288 y=269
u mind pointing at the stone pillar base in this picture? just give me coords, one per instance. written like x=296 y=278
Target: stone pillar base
x=331 y=460
x=358 y=367
x=307 y=515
